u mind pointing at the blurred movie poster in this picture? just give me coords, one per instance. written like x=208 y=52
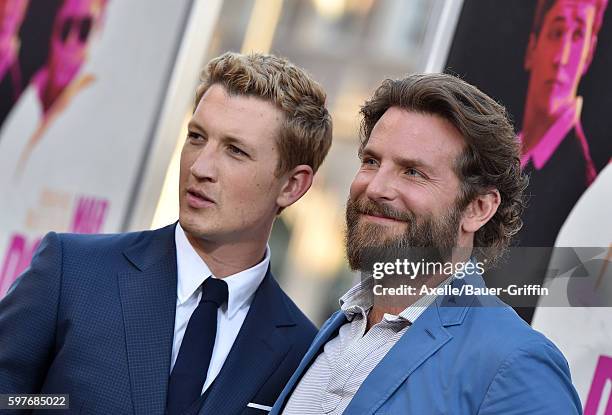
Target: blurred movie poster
x=549 y=63
x=82 y=86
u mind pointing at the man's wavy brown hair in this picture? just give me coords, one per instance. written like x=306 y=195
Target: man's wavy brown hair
x=490 y=160
x=306 y=131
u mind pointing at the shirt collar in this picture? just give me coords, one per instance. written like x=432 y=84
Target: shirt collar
x=549 y=142
x=360 y=298
x=192 y=271
x=413 y=311
x=357 y=299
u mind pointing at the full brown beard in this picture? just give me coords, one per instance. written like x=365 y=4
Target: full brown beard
x=427 y=238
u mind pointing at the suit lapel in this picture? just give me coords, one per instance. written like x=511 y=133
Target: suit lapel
x=256 y=353
x=148 y=299
x=328 y=330
x=421 y=340
x=426 y=336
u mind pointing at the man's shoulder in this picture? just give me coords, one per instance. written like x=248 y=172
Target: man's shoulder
x=92 y=254
x=505 y=354
x=110 y=242
x=484 y=316
x=496 y=330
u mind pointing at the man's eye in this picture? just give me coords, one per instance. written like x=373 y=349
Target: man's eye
x=414 y=173
x=194 y=136
x=369 y=162
x=556 y=33
x=236 y=151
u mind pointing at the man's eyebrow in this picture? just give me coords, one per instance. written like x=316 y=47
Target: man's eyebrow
x=368 y=152
x=413 y=162
x=559 y=18
x=226 y=138
x=563 y=20
x=397 y=159
x=580 y=20
x=193 y=125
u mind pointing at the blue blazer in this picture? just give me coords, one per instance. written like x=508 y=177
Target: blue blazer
x=464 y=355
x=93 y=317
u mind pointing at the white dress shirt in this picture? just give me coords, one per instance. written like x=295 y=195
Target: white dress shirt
x=192 y=271
x=338 y=372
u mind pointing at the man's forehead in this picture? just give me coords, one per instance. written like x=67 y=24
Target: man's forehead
x=399 y=121
x=579 y=10
x=425 y=136
x=237 y=116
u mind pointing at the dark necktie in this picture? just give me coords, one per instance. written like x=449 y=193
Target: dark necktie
x=189 y=372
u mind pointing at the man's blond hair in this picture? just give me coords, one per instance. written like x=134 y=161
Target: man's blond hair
x=306 y=132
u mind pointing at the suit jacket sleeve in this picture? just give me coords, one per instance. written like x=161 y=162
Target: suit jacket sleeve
x=28 y=315
x=534 y=380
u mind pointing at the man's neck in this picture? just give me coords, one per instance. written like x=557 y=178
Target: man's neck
x=228 y=258
x=386 y=304
x=536 y=124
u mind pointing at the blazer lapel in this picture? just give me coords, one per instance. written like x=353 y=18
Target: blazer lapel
x=419 y=343
x=257 y=351
x=328 y=330
x=148 y=298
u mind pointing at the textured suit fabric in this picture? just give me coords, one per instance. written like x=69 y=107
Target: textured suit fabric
x=93 y=317
x=465 y=355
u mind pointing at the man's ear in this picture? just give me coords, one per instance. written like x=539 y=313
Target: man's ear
x=297 y=181
x=480 y=210
x=533 y=39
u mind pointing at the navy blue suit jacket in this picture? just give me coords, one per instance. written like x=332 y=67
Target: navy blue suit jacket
x=93 y=317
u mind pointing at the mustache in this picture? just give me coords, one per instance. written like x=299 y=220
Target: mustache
x=370 y=207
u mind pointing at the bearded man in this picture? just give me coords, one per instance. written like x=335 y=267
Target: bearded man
x=439 y=188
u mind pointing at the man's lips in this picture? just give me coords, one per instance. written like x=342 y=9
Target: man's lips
x=380 y=218
x=198 y=199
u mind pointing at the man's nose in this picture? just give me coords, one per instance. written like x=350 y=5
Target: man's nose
x=205 y=166
x=563 y=53
x=381 y=187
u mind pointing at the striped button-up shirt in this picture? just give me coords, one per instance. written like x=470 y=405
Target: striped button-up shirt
x=346 y=360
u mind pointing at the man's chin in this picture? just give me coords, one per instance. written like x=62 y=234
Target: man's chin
x=363 y=258
x=194 y=226
x=559 y=104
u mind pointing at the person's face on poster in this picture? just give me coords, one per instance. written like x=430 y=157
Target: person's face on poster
x=72 y=31
x=11 y=16
x=559 y=55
